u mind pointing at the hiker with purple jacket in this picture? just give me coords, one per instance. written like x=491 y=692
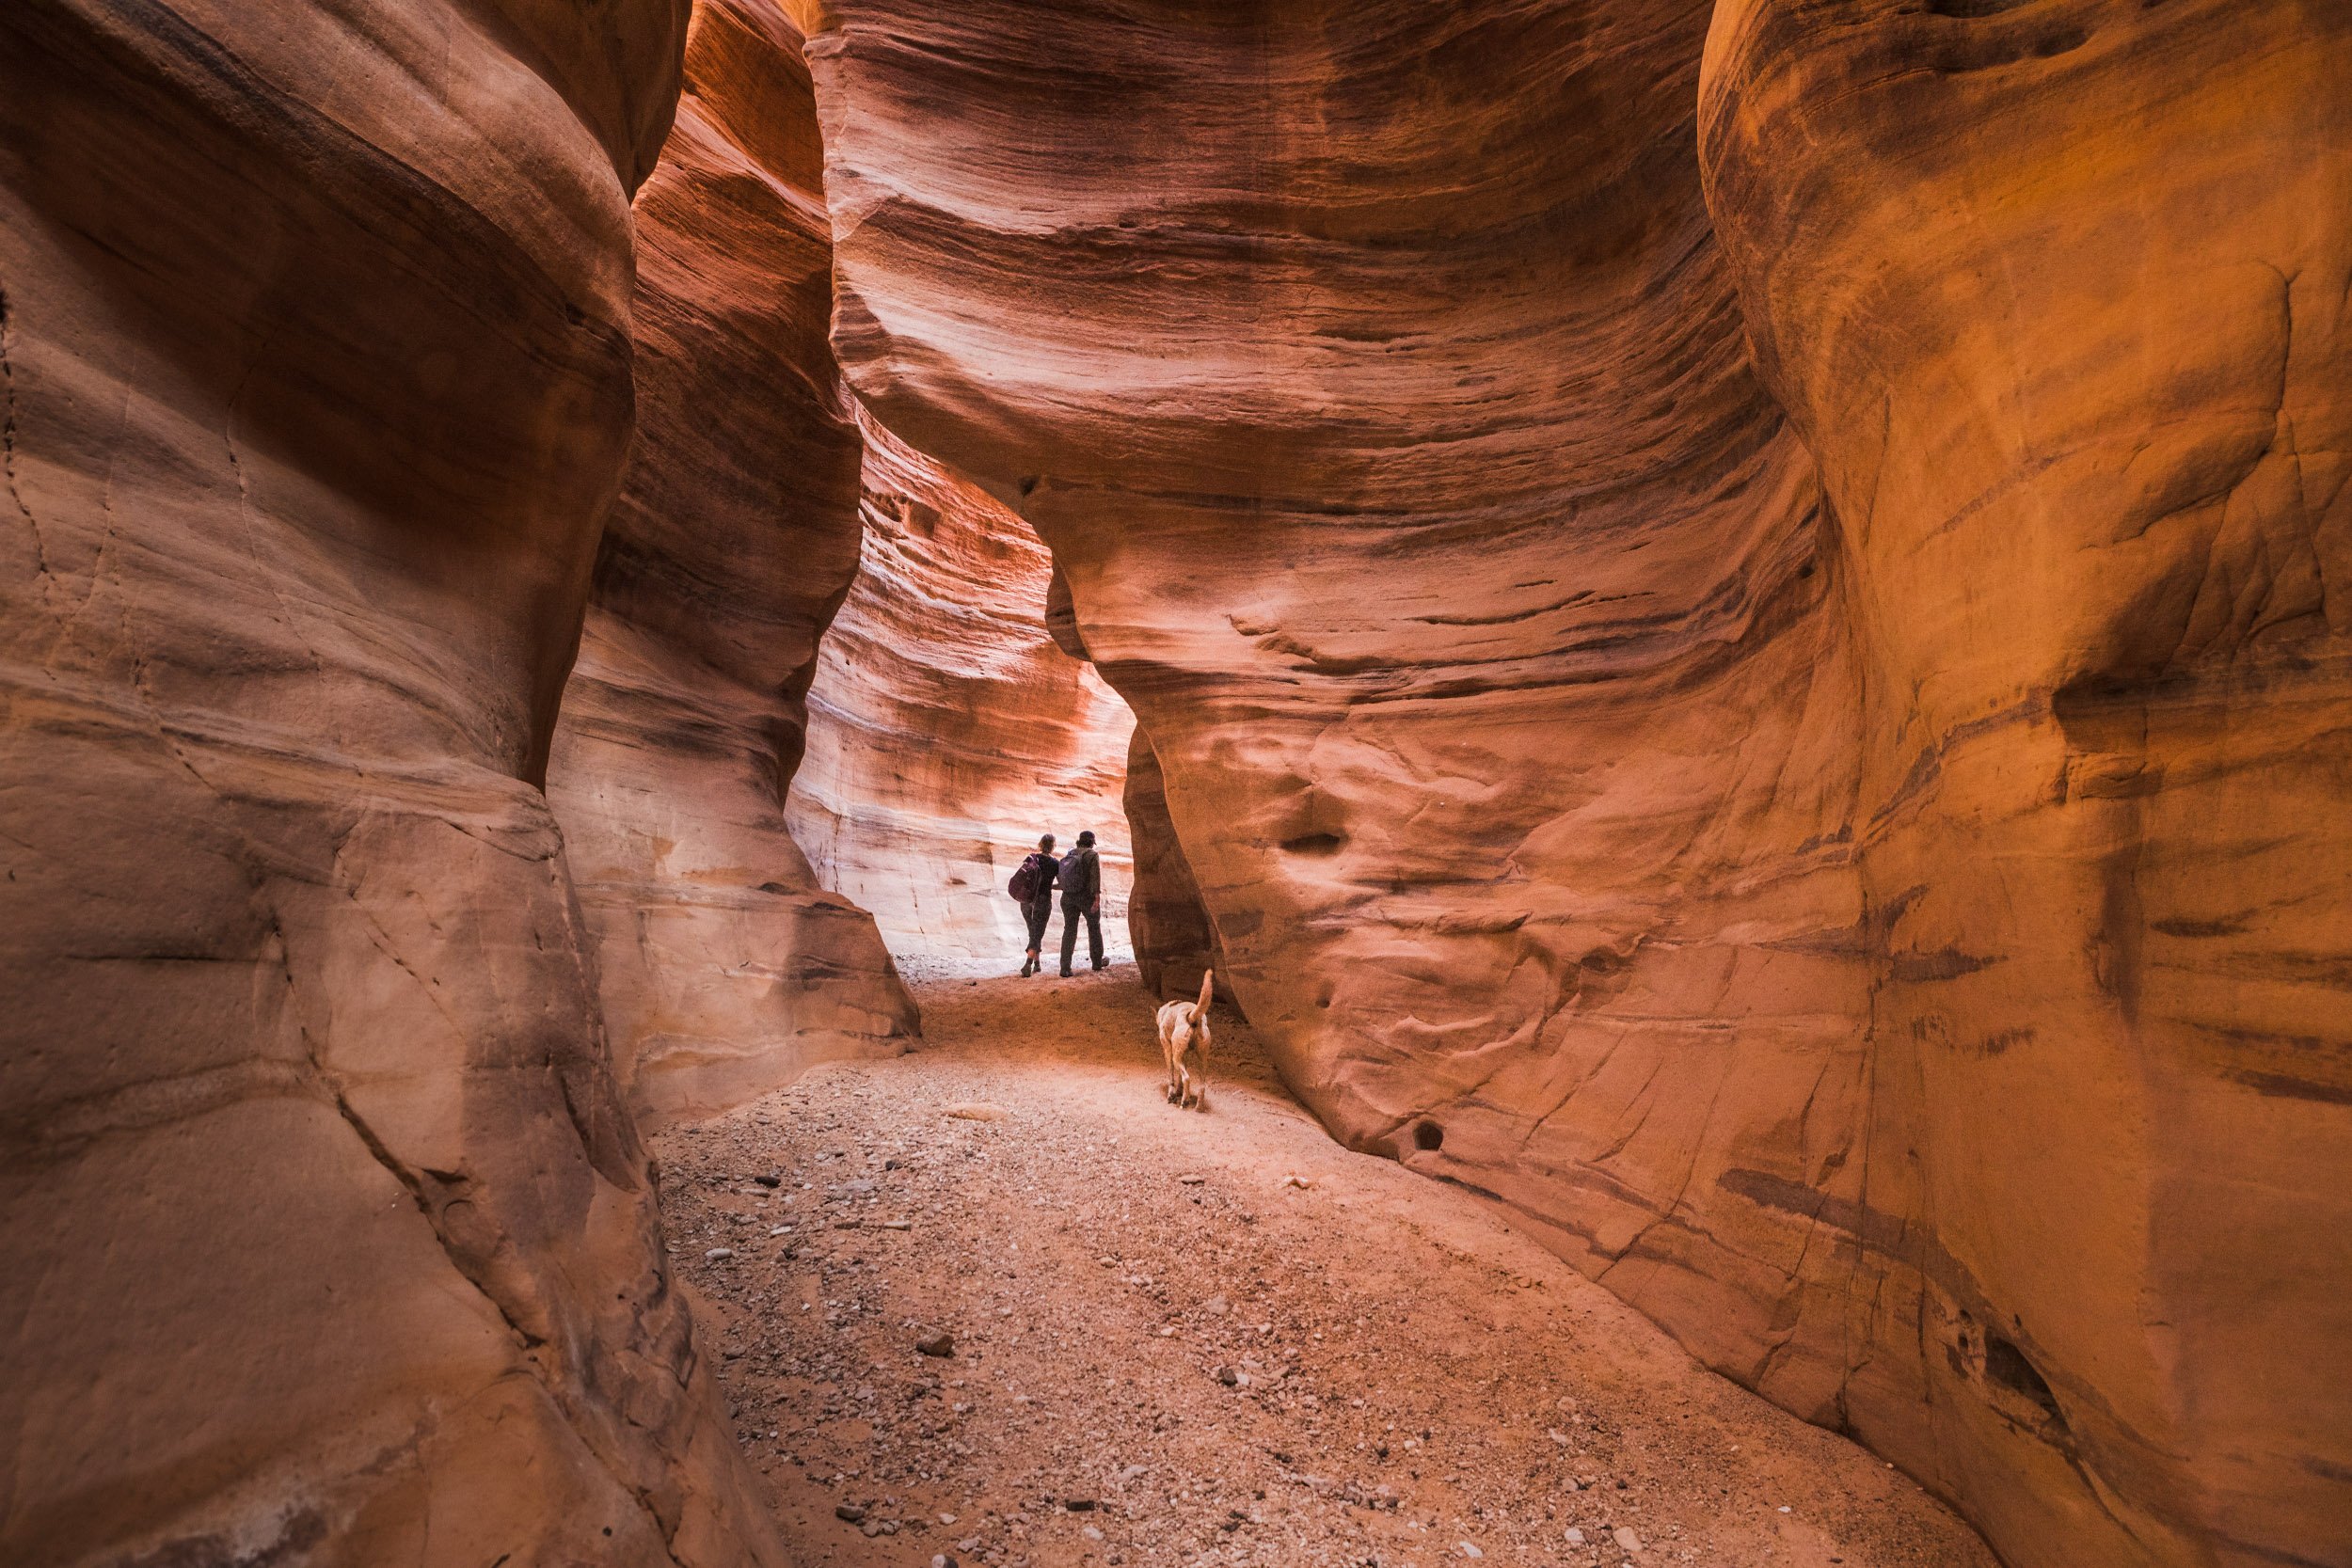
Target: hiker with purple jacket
x=1033 y=890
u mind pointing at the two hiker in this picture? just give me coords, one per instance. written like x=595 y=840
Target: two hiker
x=1078 y=877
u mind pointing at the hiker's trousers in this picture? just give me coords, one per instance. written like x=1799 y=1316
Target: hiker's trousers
x=1070 y=915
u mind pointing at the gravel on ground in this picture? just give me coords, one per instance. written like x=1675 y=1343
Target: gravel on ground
x=996 y=1302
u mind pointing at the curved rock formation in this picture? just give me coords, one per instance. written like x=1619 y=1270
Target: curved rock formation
x=2081 y=393
x=329 y=1237
x=946 y=731
x=1578 y=799
x=724 y=969
x=1173 y=939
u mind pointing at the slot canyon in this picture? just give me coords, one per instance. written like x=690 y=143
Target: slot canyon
x=1727 y=621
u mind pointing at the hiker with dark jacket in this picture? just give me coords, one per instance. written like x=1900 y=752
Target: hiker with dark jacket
x=1082 y=897
x=1033 y=890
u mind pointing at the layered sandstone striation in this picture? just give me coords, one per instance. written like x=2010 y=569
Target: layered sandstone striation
x=1863 y=918
x=947 y=730
x=331 y=1237
x=2081 y=396
x=724 y=968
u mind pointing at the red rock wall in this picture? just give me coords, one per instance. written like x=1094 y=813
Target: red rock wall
x=1166 y=920
x=2062 y=315
x=329 y=1237
x=947 y=731
x=725 y=970
x=1592 y=812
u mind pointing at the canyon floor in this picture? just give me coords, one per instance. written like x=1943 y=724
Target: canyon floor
x=1198 y=1339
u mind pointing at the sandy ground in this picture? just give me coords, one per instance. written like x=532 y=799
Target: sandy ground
x=1190 y=1338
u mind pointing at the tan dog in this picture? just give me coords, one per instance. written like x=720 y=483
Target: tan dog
x=1185 y=1047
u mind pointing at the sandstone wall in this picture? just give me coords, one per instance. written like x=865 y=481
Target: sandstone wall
x=329 y=1237
x=2062 y=315
x=724 y=968
x=1166 y=921
x=1594 y=811
x=947 y=731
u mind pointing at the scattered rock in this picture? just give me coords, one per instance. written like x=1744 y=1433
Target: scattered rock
x=1468 y=1550
x=1281 y=1370
x=979 y=1110
x=1627 y=1541
x=719 y=1254
x=769 y=1180
x=897 y=1224
x=849 y=1513
x=1191 y=1180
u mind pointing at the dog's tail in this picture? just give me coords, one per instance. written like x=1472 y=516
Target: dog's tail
x=1208 y=989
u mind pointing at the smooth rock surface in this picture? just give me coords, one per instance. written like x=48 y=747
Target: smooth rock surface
x=724 y=968
x=2081 y=391
x=1591 y=814
x=1171 y=930
x=947 y=731
x=329 y=1237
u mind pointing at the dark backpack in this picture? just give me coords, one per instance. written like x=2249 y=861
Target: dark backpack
x=1077 y=871
x=1032 y=881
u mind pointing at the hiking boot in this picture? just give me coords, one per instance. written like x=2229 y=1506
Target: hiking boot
x=1065 y=974
x=1028 y=967
x=1102 y=963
